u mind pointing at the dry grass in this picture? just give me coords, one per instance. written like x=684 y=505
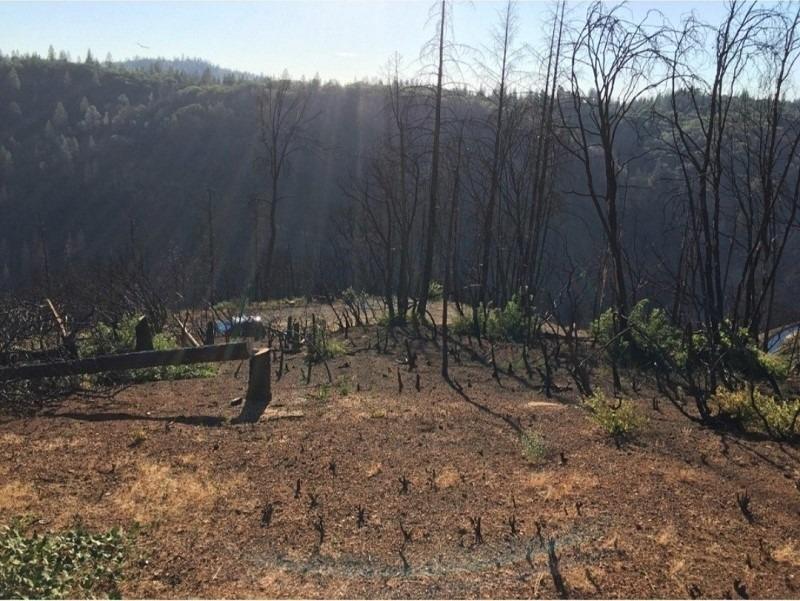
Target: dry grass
x=788 y=553
x=157 y=492
x=552 y=486
x=447 y=478
x=17 y=497
x=9 y=438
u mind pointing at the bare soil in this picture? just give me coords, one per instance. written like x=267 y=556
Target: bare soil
x=271 y=509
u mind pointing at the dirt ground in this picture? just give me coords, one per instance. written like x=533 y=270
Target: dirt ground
x=272 y=509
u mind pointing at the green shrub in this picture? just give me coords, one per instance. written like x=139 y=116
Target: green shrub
x=533 y=446
x=618 y=417
x=462 y=326
x=343 y=385
x=759 y=412
x=121 y=338
x=505 y=324
x=319 y=344
x=650 y=342
x=435 y=290
x=74 y=563
x=322 y=392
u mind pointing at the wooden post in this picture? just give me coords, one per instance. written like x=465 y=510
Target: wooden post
x=259 y=387
x=210 y=333
x=144 y=336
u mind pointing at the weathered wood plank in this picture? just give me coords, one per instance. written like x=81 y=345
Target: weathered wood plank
x=92 y=365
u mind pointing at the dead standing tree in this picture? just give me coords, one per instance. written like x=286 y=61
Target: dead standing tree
x=433 y=199
x=700 y=119
x=613 y=64
x=285 y=116
x=501 y=73
x=403 y=140
x=542 y=167
x=764 y=173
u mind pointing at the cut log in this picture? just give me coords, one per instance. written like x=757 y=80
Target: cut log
x=92 y=365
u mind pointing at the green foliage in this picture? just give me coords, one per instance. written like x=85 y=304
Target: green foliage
x=650 y=342
x=759 y=412
x=74 y=563
x=462 y=326
x=319 y=344
x=618 y=417
x=505 y=324
x=108 y=339
x=322 y=393
x=738 y=352
x=533 y=446
x=435 y=290
x=343 y=385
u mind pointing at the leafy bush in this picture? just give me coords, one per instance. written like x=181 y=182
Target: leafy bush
x=650 y=341
x=74 y=563
x=506 y=324
x=759 y=412
x=533 y=446
x=462 y=326
x=106 y=339
x=319 y=344
x=435 y=290
x=618 y=417
x=740 y=353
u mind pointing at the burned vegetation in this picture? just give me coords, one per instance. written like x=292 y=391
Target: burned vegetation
x=487 y=375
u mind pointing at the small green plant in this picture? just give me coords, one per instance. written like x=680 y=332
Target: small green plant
x=435 y=290
x=322 y=393
x=618 y=417
x=533 y=446
x=138 y=437
x=343 y=385
x=74 y=563
x=759 y=412
x=505 y=324
x=319 y=344
x=462 y=325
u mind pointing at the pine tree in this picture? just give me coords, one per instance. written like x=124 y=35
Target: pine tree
x=12 y=80
x=60 y=117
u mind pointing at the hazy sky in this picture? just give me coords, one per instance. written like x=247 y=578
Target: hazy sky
x=339 y=39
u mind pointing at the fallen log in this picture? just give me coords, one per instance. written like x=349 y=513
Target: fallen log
x=92 y=365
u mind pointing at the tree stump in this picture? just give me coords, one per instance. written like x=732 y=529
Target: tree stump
x=144 y=335
x=259 y=387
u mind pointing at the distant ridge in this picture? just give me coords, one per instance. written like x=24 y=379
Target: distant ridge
x=191 y=66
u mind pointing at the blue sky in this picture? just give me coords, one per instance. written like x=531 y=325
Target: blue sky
x=339 y=39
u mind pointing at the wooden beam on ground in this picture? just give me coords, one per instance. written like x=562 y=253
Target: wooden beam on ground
x=92 y=365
